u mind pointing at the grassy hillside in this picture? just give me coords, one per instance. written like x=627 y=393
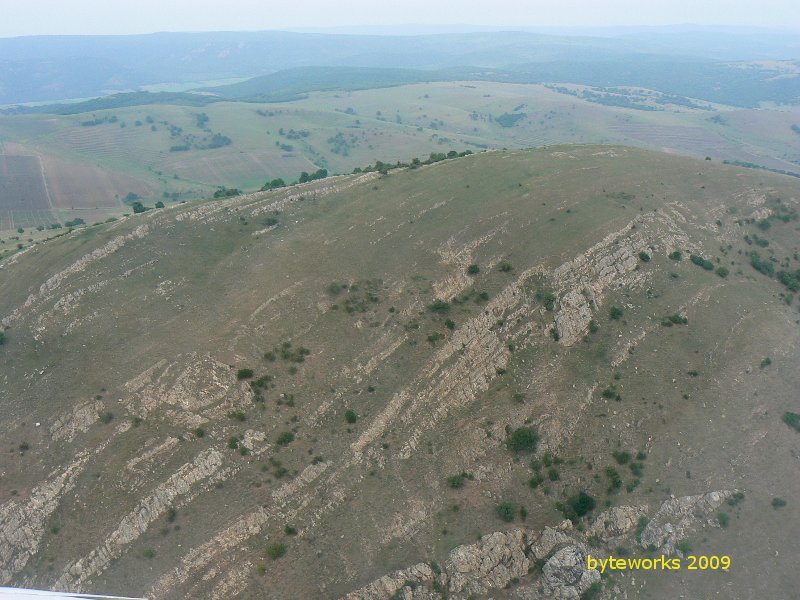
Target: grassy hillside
x=173 y=152
x=221 y=398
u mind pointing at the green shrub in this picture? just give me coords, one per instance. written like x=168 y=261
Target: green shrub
x=505 y=266
x=640 y=527
x=791 y=279
x=536 y=481
x=199 y=432
x=701 y=262
x=523 y=439
x=675 y=319
x=2 y=338
x=276 y=550
x=289 y=530
x=233 y=442
x=244 y=374
x=577 y=506
x=549 y=301
x=637 y=469
x=763 y=267
x=723 y=272
x=766 y=362
x=792 y=420
x=553 y=475
x=439 y=306
x=724 y=519
x=622 y=458
x=473 y=269
x=458 y=481
x=616 y=480
x=676 y=255
x=285 y=438
x=450 y=324
x=644 y=256
x=334 y=289
x=238 y=415
x=350 y=416
x=107 y=417
x=435 y=337
x=736 y=498
x=684 y=547
x=611 y=393
x=593 y=326
x=778 y=503
x=506 y=511
x=592 y=592
x=581 y=504
x=616 y=313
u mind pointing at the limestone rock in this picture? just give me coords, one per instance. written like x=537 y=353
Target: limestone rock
x=550 y=539
x=617 y=522
x=573 y=317
x=565 y=575
x=491 y=563
x=677 y=517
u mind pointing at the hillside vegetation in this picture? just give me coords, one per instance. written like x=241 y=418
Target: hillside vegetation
x=91 y=162
x=472 y=372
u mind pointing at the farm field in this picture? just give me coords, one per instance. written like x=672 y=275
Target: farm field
x=24 y=199
x=167 y=152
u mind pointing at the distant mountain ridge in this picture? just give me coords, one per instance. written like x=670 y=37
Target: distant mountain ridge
x=52 y=68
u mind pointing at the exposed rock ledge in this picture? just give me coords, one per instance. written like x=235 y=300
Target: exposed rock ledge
x=501 y=559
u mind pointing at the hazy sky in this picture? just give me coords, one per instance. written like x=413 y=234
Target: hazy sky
x=37 y=17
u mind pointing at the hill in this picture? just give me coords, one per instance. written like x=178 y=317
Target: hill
x=293 y=393
x=53 y=68
x=92 y=161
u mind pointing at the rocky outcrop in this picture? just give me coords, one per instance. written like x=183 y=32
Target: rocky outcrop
x=617 y=522
x=79 y=420
x=573 y=317
x=139 y=520
x=565 y=575
x=491 y=563
x=22 y=524
x=405 y=582
x=504 y=559
x=678 y=517
x=80 y=265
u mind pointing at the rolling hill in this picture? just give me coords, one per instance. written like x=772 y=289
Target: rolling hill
x=92 y=161
x=461 y=378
